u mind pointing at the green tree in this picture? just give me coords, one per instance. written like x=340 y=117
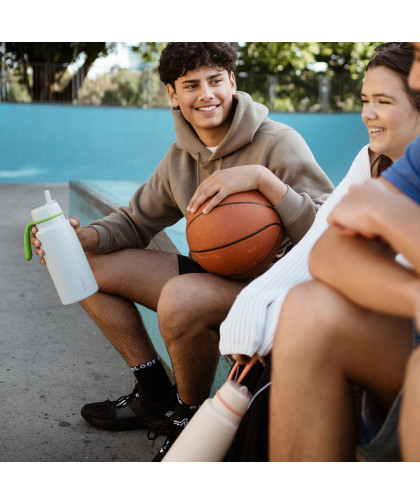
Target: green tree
x=274 y=57
x=125 y=89
x=149 y=51
x=285 y=75
x=284 y=57
x=49 y=61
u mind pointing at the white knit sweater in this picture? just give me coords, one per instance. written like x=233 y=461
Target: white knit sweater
x=251 y=323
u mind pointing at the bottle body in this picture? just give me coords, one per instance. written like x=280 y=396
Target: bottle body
x=209 y=434
x=66 y=260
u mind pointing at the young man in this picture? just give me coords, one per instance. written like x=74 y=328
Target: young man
x=225 y=144
x=347 y=355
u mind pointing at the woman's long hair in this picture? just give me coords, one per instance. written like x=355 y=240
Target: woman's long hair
x=398 y=58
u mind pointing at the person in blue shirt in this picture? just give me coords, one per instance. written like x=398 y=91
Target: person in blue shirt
x=338 y=364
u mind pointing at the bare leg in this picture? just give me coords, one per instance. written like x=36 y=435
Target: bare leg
x=125 y=277
x=410 y=412
x=190 y=311
x=323 y=344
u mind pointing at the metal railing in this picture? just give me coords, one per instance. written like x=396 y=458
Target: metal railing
x=54 y=83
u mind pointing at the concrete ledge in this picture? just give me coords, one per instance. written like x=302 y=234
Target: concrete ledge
x=90 y=200
x=90 y=203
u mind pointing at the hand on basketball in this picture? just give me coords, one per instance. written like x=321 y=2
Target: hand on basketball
x=222 y=183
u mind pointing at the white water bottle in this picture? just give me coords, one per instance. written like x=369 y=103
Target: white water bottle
x=66 y=261
x=209 y=434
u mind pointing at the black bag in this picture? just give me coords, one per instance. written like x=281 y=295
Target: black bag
x=250 y=443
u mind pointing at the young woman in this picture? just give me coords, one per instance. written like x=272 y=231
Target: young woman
x=344 y=356
x=391 y=112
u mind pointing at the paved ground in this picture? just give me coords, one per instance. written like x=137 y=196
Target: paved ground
x=53 y=359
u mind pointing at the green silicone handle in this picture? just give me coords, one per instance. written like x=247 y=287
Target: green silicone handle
x=27 y=238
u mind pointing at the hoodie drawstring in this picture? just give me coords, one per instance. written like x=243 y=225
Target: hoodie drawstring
x=198 y=170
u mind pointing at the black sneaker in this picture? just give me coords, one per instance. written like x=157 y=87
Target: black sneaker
x=175 y=425
x=133 y=411
x=173 y=431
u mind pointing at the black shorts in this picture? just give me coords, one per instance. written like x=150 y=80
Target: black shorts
x=187 y=265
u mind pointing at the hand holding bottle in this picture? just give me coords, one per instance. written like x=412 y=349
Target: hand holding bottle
x=88 y=238
x=62 y=250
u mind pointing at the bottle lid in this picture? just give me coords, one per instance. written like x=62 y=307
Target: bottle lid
x=46 y=211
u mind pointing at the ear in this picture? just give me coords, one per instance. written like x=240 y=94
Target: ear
x=172 y=95
x=232 y=81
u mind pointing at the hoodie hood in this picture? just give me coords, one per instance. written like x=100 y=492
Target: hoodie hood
x=246 y=111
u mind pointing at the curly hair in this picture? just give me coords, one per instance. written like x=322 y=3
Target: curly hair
x=180 y=57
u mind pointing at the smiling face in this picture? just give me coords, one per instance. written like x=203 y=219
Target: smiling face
x=390 y=117
x=205 y=98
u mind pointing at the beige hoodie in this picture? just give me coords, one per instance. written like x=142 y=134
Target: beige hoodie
x=252 y=139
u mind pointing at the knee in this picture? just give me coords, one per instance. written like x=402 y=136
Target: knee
x=103 y=269
x=96 y=265
x=178 y=311
x=307 y=325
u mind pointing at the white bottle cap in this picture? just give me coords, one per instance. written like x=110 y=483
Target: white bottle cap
x=50 y=208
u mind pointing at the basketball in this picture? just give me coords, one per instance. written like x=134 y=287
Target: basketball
x=238 y=238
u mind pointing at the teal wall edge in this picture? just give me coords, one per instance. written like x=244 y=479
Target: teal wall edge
x=58 y=143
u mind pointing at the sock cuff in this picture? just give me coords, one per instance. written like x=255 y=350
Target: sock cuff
x=146 y=364
x=191 y=407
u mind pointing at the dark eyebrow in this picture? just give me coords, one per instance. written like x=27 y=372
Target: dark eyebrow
x=380 y=95
x=194 y=81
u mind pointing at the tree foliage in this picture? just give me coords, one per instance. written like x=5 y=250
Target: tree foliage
x=285 y=57
x=48 y=62
x=287 y=75
x=126 y=88
x=149 y=51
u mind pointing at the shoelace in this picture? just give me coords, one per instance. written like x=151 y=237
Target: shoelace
x=171 y=429
x=122 y=401
x=162 y=430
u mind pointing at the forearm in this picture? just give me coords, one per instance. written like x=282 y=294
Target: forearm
x=270 y=186
x=379 y=209
x=297 y=211
x=150 y=209
x=363 y=272
x=399 y=225
x=308 y=186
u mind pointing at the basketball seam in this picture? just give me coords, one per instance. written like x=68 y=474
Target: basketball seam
x=236 y=241
x=255 y=267
x=233 y=203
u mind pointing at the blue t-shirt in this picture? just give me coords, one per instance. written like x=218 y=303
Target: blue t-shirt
x=405 y=172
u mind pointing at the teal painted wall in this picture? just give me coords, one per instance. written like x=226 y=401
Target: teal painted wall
x=58 y=143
